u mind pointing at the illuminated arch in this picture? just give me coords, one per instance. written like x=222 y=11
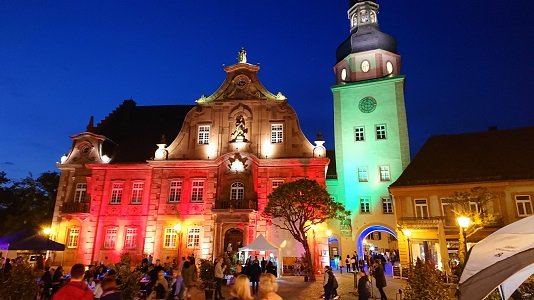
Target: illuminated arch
x=366 y=231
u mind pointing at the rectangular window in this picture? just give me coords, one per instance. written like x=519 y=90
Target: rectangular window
x=524 y=205
x=73 y=236
x=110 y=239
x=116 y=193
x=381 y=133
x=277 y=133
x=473 y=207
x=80 y=193
x=175 y=191
x=204 y=134
x=365 y=205
x=363 y=176
x=130 y=239
x=276 y=183
x=421 y=208
x=387 y=205
x=359 y=133
x=169 y=238
x=197 y=191
x=384 y=173
x=193 y=238
x=137 y=192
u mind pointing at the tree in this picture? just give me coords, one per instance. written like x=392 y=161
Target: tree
x=21 y=284
x=424 y=283
x=475 y=205
x=299 y=205
x=27 y=203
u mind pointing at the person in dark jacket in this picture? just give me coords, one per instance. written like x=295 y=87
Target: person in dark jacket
x=380 y=278
x=254 y=274
x=364 y=285
x=111 y=291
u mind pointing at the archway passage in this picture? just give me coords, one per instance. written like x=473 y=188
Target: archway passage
x=233 y=239
x=374 y=228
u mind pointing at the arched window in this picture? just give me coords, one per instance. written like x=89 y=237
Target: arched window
x=237 y=194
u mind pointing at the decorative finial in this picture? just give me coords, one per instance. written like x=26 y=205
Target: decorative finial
x=319 y=136
x=242 y=56
x=91 y=124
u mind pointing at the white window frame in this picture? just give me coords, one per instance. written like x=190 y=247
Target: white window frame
x=175 y=191
x=365 y=205
x=277 y=133
x=197 y=191
x=387 y=205
x=385 y=173
x=116 y=192
x=276 y=183
x=363 y=174
x=381 y=131
x=130 y=238
x=204 y=134
x=169 y=238
x=421 y=209
x=524 y=205
x=80 y=193
x=193 y=238
x=73 y=237
x=237 y=194
x=110 y=237
x=137 y=192
x=359 y=134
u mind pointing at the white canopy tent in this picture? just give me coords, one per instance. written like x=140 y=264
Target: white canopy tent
x=262 y=244
x=505 y=258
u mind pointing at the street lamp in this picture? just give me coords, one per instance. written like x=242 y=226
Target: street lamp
x=47 y=231
x=178 y=230
x=408 y=233
x=464 y=223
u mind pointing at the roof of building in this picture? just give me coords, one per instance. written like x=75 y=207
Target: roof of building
x=133 y=131
x=473 y=157
x=366 y=38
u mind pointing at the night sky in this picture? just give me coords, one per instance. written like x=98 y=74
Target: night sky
x=468 y=64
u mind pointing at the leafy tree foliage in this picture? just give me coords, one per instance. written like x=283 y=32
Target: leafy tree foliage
x=129 y=279
x=27 y=203
x=20 y=285
x=424 y=283
x=299 y=205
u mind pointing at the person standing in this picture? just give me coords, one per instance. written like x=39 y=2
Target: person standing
x=364 y=286
x=354 y=262
x=219 y=276
x=76 y=288
x=255 y=271
x=328 y=284
x=380 y=278
x=188 y=277
x=347 y=262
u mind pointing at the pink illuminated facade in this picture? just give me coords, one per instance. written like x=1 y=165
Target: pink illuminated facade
x=127 y=182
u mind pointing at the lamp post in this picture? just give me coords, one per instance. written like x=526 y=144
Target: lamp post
x=408 y=233
x=178 y=230
x=464 y=223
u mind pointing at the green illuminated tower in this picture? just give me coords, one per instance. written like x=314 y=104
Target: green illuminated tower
x=371 y=132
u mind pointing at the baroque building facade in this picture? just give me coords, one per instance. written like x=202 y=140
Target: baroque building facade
x=171 y=181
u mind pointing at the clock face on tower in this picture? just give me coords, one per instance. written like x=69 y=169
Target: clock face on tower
x=367 y=104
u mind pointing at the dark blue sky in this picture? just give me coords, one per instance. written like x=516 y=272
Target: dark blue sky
x=468 y=65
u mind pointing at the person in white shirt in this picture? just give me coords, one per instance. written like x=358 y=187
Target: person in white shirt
x=219 y=275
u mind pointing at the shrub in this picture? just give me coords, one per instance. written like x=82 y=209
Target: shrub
x=424 y=283
x=20 y=285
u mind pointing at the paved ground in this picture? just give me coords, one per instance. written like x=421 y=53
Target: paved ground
x=294 y=288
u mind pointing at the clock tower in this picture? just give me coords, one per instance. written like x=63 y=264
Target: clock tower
x=371 y=132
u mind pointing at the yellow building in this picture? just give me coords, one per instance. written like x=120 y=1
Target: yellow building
x=501 y=161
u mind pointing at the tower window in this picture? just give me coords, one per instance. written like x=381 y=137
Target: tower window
x=365 y=205
x=381 y=133
x=204 y=134
x=384 y=173
x=277 y=133
x=80 y=193
x=363 y=175
x=387 y=205
x=359 y=133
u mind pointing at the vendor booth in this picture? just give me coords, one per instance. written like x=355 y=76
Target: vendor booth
x=262 y=244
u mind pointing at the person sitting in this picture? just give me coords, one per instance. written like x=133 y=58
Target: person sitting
x=111 y=291
x=76 y=288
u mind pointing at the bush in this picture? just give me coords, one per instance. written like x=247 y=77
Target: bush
x=129 y=279
x=207 y=273
x=20 y=285
x=424 y=283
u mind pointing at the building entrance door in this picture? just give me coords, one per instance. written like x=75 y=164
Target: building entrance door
x=233 y=240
